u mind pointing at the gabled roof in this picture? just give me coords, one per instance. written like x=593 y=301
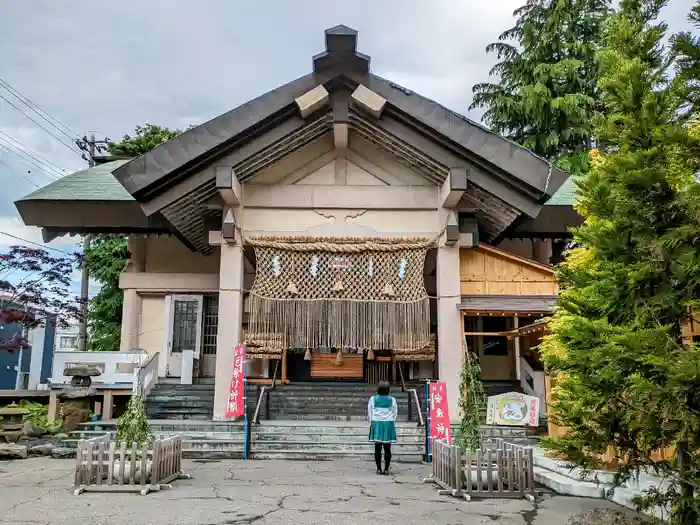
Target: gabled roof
x=166 y=165
x=565 y=196
x=96 y=183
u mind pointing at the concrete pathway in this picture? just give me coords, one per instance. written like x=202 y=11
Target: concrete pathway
x=36 y=491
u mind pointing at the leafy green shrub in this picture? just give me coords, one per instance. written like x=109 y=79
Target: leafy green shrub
x=132 y=425
x=39 y=416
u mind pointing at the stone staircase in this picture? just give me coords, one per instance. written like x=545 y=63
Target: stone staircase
x=317 y=401
x=174 y=402
x=306 y=421
x=327 y=440
x=201 y=439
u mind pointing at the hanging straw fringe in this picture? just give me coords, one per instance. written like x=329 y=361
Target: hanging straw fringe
x=340 y=293
x=340 y=323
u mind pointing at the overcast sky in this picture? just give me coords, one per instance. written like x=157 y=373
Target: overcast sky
x=108 y=66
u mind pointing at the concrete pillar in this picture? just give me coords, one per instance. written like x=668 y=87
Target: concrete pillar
x=131 y=312
x=230 y=321
x=449 y=325
x=131 y=316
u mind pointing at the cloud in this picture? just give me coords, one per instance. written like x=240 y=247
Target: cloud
x=13 y=232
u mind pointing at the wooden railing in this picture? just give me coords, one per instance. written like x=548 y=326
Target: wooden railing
x=499 y=470
x=101 y=466
x=146 y=377
x=377 y=370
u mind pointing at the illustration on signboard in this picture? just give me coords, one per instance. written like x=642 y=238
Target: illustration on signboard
x=513 y=409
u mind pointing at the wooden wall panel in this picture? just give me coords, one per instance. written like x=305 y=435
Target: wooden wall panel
x=323 y=365
x=489 y=271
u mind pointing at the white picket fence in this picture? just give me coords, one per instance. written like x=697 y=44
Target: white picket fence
x=499 y=470
x=102 y=466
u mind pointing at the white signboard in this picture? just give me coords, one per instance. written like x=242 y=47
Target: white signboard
x=513 y=409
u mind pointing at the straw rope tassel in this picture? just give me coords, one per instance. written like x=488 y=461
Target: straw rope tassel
x=339 y=360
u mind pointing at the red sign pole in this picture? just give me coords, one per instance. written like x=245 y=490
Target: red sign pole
x=439 y=412
x=235 y=406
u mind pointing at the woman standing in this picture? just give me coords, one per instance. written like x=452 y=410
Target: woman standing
x=382 y=411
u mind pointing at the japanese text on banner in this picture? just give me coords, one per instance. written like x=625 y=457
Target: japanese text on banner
x=439 y=413
x=235 y=405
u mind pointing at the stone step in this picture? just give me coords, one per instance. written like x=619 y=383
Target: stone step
x=181 y=416
x=325 y=417
x=178 y=404
x=326 y=455
x=268 y=437
x=338 y=448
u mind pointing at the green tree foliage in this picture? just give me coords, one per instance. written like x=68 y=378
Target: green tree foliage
x=132 y=425
x=687 y=47
x=625 y=381
x=547 y=91
x=145 y=138
x=109 y=254
x=472 y=402
x=105 y=260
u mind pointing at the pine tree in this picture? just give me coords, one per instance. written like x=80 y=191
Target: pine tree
x=624 y=381
x=547 y=90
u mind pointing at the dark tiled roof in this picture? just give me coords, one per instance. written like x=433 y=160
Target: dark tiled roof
x=508 y=303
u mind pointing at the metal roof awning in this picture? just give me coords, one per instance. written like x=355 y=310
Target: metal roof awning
x=508 y=304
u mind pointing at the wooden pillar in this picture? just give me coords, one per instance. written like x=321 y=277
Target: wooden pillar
x=516 y=345
x=284 y=366
x=54 y=405
x=108 y=405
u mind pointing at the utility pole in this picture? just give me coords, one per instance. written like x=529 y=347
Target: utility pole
x=89 y=147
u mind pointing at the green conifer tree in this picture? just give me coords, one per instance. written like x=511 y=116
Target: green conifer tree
x=547 y=91
x=625 y=383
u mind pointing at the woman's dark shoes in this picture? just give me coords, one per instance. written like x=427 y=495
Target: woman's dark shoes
x=385 y=473
x=379 y=472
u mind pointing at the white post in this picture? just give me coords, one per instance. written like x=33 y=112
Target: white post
x=187 y=367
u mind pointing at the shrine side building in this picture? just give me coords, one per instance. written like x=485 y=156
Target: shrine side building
x=340 y=213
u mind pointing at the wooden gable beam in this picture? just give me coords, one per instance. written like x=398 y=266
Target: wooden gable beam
x=454 y=187
x=368 y=101
x=229 y=187
x=312 y=101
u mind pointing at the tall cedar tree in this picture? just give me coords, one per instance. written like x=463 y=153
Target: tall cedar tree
x=687 y=48
x=625 y=383
x=109 y=254
x=547 y=91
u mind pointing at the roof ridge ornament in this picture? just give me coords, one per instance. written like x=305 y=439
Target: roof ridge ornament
x=341 y=51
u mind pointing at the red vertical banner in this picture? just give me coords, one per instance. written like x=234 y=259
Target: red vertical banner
x=439 y=413
x=236 y=406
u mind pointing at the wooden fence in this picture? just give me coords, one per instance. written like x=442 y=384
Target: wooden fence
x=101 y=466
x=499 y=470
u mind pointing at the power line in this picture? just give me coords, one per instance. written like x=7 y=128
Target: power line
x=20 y=174
x=18 y=146
x=42 y=127
x=72 y=135
x=34 y=243
x=29 y=162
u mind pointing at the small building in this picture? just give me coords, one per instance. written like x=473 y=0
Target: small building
x=27 y=365
x=66 y=339
x=340 y=213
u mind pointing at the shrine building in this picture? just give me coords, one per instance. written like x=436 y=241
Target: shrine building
x=345 y=227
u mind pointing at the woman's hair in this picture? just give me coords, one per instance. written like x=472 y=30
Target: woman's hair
x=383 y=388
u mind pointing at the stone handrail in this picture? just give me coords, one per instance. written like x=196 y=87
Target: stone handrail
x=533 y=383
x=146 y=377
